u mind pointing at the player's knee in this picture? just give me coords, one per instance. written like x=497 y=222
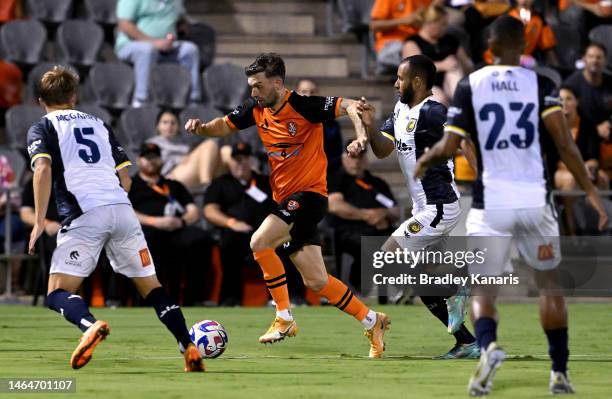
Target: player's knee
x=259 y=242
x=315 y=283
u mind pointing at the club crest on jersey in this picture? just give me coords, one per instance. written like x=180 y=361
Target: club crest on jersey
x=411 y=125
x=293 y=205
x=414 y=227
x=292 y=128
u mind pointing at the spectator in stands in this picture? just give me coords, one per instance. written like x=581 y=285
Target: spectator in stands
x=168 y=216
x=594 y=89
x=361 y=205
x=392 y=21
x=193 y=167
x=10 y=10
x=598 y=12
x=539 y=37
x=237 y=202
x=332 y=135
x=147 y=34
x=585 y=135
x=478 y=17
x=10 y=87
x=452 y=63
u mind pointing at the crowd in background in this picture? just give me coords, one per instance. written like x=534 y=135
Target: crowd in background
x=199 y=201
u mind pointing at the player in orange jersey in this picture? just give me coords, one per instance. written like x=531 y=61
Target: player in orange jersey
x=291 y=129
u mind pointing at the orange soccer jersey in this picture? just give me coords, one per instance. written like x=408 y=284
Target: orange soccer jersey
x=293 y=138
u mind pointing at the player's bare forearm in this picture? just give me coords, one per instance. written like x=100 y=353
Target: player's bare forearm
x=469 y=151
x=42 y=189
x=381 y=145
x=218 y=127
x=125 y=179
x=568 y=151
x=441 y=152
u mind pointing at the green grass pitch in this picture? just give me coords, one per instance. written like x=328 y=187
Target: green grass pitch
x=326 y=360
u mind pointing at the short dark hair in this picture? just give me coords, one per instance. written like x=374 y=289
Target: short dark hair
x=423 y=66
x=58 y=86
x=271 y=64
x=508 y=31
x=165 y=111
x=598 y=45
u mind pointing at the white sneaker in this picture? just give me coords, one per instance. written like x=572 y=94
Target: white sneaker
x=560 y=384
x=482 y=381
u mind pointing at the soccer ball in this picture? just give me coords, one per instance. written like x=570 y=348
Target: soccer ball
x=209 y=337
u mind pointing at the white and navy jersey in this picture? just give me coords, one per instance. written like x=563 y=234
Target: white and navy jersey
x=84 y=158
x=413 y=130
x=501 y=109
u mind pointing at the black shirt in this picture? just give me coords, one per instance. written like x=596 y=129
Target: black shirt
x=447 y=45
x=361 y=193
x=27 y=200
x=230 y=194
x=593 y=102
x=149 y=201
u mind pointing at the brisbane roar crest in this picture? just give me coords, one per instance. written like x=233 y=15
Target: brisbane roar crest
x=292 y=128
x=293 y=205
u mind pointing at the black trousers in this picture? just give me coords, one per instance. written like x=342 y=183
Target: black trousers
x=182 y=261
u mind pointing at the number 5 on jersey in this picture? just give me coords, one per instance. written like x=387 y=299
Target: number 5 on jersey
x=94 y=155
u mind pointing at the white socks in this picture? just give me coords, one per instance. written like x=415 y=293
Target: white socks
x=285 y=314
x=369 y=320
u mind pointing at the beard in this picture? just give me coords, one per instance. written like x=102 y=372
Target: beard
x=407 y=96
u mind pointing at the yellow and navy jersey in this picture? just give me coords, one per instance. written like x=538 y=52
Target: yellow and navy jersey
x=413 y=130
x=85 y=157
x=501 y=108
x=293 y=138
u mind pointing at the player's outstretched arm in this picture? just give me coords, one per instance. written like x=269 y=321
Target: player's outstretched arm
x=218 y=127
x=556 y=126
x=354 y=109
x=42 y=192
x=441 y=152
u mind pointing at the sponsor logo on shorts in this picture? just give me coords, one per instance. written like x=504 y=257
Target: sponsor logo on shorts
x=292 y=128
x=546 y=252
x=293 y=205
x=413 y=227
x=145 y=257
x=411 y=125
x=73 y=259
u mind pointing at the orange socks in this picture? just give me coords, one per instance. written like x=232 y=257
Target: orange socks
x=274 y=276
x=339 y=295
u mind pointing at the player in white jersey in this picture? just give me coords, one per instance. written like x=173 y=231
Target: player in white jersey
x=416 y=124
x=78 y=154
x=506 y=110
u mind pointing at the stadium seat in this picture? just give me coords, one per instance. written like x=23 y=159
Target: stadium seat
x=603 y=34
x=550 y=73
x=138 y=124
x=171 y=84
x=23 y=41
x=18 y=120
x=102 y=11
x=95 y=110
x=80 y=42
x=49 y=11
x=17 y=161
x=205 y=38
x=31 y=93
x=112 y=84
x=570 y=51
x=204 y=112
x=225 y=85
